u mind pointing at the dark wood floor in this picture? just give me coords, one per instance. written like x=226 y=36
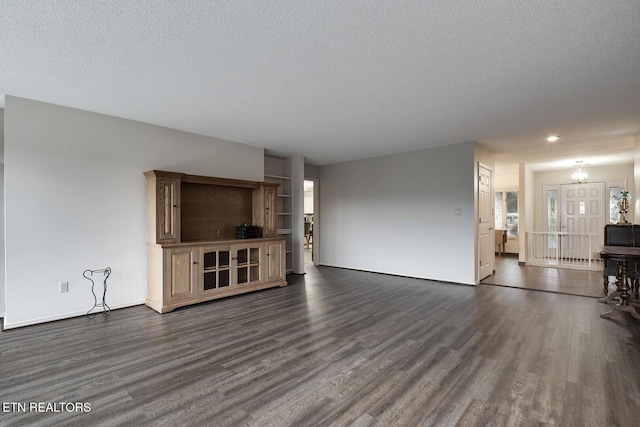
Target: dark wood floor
x=336 y=347
x=549 y=279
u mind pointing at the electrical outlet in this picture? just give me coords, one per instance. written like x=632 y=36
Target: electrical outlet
x=64 y=287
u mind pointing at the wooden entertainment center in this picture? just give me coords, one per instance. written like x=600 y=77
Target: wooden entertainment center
x=192 y=252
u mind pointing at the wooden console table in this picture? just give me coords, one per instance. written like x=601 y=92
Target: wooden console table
x=622 y=255
x=501 y=241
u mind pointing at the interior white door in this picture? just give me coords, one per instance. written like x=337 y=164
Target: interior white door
x=582 y=211
x=485 y=224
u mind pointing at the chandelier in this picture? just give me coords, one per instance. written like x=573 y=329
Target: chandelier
x=580 y=175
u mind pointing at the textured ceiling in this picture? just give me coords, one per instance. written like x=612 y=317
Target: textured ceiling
x=336 y=81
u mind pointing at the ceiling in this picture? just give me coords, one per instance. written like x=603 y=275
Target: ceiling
x=338 y=81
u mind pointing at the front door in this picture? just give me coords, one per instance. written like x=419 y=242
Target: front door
x=485 y=221
x=582 y=212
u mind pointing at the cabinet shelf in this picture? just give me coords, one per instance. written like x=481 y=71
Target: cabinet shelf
x=278 y=169
x=277 y=176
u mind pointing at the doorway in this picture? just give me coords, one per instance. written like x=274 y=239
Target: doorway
x=582 y=212
x=310 y=221
x=577 y=213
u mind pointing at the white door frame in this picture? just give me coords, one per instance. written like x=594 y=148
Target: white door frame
x=316 y=221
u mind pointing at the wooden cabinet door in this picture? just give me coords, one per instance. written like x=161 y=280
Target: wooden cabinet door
x=270 y=228
x=275 y=261
x=182 y=269
x=168 y=203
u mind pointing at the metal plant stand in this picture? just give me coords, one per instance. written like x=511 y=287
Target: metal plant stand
x=105 y=308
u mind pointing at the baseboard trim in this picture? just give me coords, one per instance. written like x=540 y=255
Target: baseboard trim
x=8 y=325
x=399 y=275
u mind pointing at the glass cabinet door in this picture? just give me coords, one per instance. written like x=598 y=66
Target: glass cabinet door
x=217 y=268
x=248 y=264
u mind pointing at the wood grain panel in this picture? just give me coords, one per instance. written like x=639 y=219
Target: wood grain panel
x=212 y=212
x=182 y=277
x=275 y=267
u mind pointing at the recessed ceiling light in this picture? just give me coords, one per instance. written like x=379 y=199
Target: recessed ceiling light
x=552 y=138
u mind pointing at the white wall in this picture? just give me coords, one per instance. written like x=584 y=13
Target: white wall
x=2 y=278
x=75 y=200
x=311 y=171
x=297 y=212
x=396 y=214
x=636 y=180
x=526 y=210
x=507 y=182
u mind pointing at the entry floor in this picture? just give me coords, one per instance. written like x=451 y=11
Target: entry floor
x=511 y=274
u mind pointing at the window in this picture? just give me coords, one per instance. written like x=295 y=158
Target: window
x=552 y=214
x=614 y=207
x=506 y=212
x=614 y=189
